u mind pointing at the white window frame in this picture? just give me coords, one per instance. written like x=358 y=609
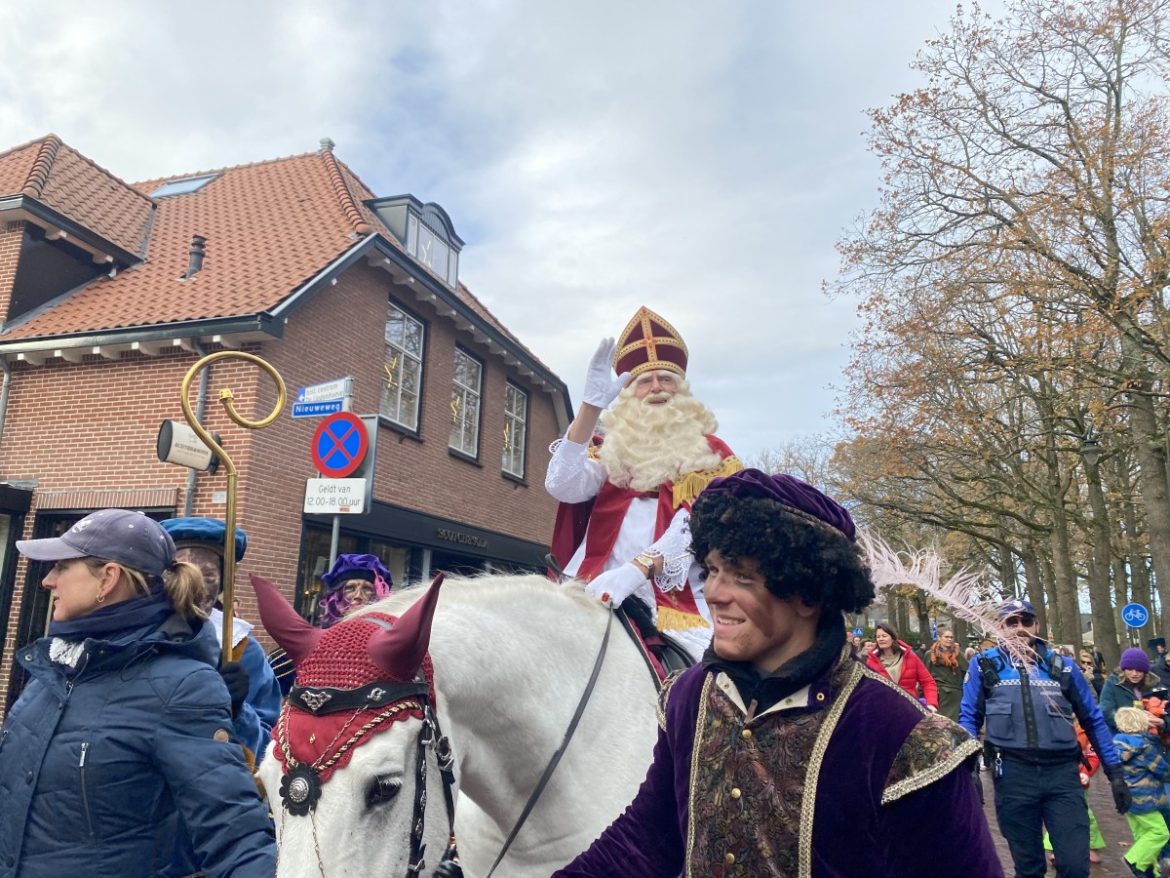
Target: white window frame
x=515 y=430
x=464 y=398
x=398 y=361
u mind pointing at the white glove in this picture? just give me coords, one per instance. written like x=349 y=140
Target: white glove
x=618 y=584
x=601 y=385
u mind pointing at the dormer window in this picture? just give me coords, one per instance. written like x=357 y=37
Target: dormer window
x=182 y=187
x=425 y=232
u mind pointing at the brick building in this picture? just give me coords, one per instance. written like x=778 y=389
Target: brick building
x=110 y=292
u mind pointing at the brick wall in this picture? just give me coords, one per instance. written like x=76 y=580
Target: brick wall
x=93 y=425
x=11 y=235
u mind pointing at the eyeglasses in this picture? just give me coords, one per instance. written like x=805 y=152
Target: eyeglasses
x=1020 y=621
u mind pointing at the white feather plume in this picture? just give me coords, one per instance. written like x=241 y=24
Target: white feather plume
x=960 y=593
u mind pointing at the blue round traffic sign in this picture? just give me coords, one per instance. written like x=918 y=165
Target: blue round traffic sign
x=1135 y=615
x=339 y=445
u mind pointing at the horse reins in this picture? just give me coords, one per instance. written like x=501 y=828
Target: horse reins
x=556 y=757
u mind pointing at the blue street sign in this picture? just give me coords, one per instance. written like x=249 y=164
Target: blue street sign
x=1135 y=615
x=857 y=632
x=316 y=409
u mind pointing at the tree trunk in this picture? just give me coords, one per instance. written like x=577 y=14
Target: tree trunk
x=1035 y=585
x=1104 y=613
x=1150 y=450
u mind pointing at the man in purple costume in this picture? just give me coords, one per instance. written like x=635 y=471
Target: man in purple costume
x=781 y=754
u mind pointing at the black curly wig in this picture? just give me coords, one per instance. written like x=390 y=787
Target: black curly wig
x=800 y=557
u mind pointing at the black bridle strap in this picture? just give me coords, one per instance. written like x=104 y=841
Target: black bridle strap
x=556 y=757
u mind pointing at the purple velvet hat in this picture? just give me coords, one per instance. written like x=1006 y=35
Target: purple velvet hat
x=789 y=491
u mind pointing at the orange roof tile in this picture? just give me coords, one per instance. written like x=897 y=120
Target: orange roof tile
x=16 y=165
x=269 y=227
x=61 y=178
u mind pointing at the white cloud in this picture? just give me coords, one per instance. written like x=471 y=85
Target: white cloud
x=698 y=158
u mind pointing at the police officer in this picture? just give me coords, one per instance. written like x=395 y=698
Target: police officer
x=1028 y=695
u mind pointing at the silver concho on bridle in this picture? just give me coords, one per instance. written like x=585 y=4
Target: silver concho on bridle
x=300 y=790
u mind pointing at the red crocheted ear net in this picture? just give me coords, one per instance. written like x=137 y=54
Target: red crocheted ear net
x=339 y=661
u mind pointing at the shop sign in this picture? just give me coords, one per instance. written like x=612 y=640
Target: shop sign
x=448 y=535
x=335 y=496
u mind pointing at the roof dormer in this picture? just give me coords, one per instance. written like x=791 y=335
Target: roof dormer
x=425 y=232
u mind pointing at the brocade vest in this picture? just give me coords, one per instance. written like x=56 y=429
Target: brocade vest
x=756 y=778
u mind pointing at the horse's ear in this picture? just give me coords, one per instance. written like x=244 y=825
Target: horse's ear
x=399 y=651
x=295 y=636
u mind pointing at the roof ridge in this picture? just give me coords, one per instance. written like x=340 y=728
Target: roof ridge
x=344 y=196
x=348 y=170
x=185 y=175
x=25 y=145
x=38 y=174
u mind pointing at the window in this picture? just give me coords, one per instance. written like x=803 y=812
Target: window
x=465 y=404
x=403 y=368
x=182 y=187
x=515 y=423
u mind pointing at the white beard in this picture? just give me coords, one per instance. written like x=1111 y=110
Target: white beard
x=648 y=445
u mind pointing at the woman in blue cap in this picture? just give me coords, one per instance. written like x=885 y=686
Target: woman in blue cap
x=353 y=581
x=120 y=743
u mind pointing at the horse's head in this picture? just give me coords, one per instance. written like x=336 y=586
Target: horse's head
x=353 y=742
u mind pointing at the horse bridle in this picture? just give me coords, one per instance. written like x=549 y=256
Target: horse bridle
x=301 y=786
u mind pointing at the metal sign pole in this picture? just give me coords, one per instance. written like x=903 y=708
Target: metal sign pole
x=335 y=535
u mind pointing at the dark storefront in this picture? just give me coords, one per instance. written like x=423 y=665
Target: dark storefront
x=412 y=545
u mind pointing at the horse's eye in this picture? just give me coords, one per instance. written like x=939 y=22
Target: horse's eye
x=382 y=789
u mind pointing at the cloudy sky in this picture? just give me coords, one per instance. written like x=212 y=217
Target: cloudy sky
x=701 y=159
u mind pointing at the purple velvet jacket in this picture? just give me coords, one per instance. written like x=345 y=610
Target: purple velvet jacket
x=931 y=814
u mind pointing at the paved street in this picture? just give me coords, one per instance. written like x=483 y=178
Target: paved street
x=1113 y=827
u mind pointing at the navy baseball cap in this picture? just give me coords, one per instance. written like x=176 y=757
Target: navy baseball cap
x=1020 y=606
x=120 y=535
x=194 y=530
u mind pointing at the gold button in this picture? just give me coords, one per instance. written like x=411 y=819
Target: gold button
x=735 y=793
x=729 y=859
x=746 y=734
x=820 y=696
x=221 y=735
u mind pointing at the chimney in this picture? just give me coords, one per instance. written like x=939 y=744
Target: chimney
x=195 y=256
x=327 y=144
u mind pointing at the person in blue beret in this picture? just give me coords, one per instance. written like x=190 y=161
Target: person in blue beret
x=780 y=753
x=255 y=693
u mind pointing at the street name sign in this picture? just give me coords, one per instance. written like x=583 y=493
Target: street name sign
x=327 y=390
x=317 y=409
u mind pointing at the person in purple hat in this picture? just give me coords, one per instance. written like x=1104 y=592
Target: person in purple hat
x=1128 y=685
x=781 y=753
x=1025 y=696
x=353 y=581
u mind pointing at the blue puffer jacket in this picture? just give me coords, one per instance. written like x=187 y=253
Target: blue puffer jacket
x=98 y=764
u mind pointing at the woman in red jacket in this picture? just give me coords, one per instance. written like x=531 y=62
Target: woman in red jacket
x=896 y=661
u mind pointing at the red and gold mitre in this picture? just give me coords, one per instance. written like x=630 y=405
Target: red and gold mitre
x=647 y=343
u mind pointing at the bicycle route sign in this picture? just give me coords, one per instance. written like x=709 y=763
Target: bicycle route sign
x=1135 y=615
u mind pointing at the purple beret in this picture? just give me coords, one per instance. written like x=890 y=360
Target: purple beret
x=789 y=491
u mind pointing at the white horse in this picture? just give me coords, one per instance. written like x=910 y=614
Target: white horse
x=512 y=656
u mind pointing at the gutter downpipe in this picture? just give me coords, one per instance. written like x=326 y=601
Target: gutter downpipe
x=200 y=408
x=4 y=389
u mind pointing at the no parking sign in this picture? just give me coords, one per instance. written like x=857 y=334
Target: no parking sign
x=339 y=445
